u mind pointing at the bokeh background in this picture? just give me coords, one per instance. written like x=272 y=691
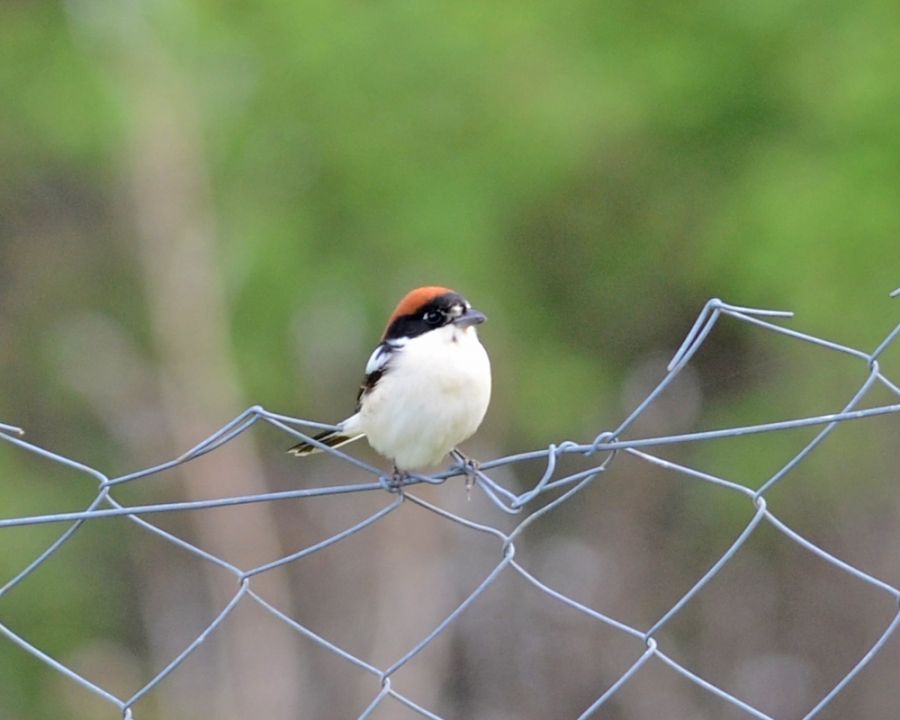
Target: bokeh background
x=205 y=206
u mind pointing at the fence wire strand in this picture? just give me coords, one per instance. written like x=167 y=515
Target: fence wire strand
x=606 y=447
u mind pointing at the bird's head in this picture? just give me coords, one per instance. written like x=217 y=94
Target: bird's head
x=430 y=308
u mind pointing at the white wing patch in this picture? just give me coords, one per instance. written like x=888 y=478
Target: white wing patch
x=380 y=356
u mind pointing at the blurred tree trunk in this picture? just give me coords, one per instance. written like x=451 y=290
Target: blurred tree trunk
x=167 y=180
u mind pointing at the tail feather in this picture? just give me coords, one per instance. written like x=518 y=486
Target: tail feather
x=331 y=438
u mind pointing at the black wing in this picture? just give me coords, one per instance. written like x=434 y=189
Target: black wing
x=376 y=368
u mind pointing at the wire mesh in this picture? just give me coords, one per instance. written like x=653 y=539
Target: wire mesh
x=560 y=488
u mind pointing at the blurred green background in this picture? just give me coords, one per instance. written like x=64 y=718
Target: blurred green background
x=205 y=206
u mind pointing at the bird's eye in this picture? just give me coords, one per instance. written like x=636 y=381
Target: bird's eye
x=434 y=318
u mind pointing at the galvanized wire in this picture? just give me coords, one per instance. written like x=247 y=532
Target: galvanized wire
x=605 y=448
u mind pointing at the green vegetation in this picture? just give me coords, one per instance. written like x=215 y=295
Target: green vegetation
x=205 y=206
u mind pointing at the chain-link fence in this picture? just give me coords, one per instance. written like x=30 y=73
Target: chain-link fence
x=552 y=489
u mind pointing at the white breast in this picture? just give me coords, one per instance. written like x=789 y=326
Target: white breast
x=433 y=396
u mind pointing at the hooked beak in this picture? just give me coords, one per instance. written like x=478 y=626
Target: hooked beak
x=470 y=317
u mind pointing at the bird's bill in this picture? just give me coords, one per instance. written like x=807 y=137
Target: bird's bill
x=470 y=317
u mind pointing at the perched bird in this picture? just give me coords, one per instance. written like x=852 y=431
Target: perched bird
x=427 y=384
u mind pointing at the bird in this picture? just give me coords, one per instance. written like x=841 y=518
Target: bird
x=427 y=384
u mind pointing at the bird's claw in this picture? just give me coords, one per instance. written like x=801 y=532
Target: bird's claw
x=397 y=480
x=470 y=467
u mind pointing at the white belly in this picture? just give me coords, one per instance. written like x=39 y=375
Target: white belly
x=433 y=396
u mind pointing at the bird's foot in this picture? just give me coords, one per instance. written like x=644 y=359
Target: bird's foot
x=397 y=480
x=471 y=467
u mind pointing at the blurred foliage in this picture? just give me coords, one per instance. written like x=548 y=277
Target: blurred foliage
x=587 y=173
